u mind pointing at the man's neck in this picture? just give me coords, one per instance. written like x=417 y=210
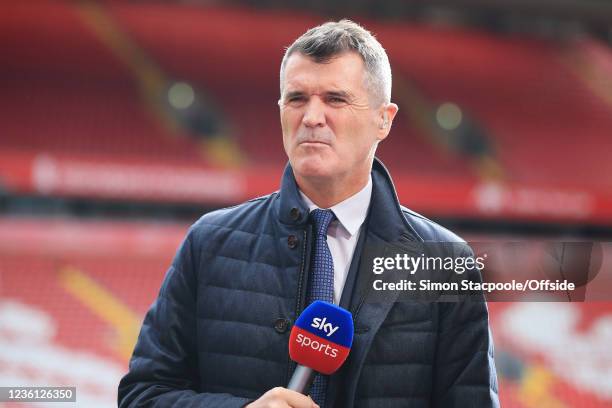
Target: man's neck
x=326 y=194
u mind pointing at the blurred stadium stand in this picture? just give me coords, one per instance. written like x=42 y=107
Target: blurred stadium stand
x=75 y=105
x=121 y=122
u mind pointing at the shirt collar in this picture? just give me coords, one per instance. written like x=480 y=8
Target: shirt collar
x=351 y=213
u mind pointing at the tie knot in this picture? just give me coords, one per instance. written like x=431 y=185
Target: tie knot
x=322 y=219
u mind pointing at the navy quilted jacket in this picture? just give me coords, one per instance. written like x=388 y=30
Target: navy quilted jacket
x=217 y=335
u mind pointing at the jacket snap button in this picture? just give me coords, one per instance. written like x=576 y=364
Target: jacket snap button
x=292 y=241
x=295 y=214
x=281 y=325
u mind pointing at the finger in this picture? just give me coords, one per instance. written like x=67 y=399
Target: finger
x=295 y=399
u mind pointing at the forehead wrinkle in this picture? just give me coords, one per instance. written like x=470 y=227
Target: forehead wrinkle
x=309 y=81
x=292 y=87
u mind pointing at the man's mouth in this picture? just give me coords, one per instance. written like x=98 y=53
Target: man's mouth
x=314 y=142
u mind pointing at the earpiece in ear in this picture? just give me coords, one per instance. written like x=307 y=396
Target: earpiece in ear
x=385 y=122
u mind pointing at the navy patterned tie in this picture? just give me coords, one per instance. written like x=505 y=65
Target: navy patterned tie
x=321 y=285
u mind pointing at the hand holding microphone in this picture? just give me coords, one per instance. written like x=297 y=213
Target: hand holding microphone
x=282 y=397
x=320 y=342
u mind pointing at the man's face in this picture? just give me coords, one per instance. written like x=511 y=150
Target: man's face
x=330 y=129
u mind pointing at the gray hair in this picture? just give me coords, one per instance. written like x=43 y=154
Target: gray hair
x=328 y=40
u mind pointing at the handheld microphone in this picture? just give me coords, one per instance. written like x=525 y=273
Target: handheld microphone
x=320 y=342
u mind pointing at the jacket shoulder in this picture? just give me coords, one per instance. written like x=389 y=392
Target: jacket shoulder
x=240 y=216
x=429 y=230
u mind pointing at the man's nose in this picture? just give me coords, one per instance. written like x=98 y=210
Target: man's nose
x=314 y=114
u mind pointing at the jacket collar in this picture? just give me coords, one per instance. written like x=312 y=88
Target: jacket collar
x=386 y=219
x=291 y=209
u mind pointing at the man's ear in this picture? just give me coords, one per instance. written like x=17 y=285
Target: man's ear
x=389 y=111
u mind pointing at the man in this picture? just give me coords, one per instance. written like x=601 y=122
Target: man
x=218 y=333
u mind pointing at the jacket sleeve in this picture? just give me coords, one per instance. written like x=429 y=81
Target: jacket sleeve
x=465 y=373
x=163 y=370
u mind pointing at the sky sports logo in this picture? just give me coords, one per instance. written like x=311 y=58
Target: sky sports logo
x=321 y=337
x=328 y=329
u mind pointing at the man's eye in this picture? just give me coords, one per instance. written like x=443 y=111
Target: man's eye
x=296 y=99
x=336 y=100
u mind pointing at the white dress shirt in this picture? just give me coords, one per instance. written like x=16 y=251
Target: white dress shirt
x=343 y=232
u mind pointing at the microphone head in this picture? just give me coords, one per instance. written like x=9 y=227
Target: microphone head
x=322 y=337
